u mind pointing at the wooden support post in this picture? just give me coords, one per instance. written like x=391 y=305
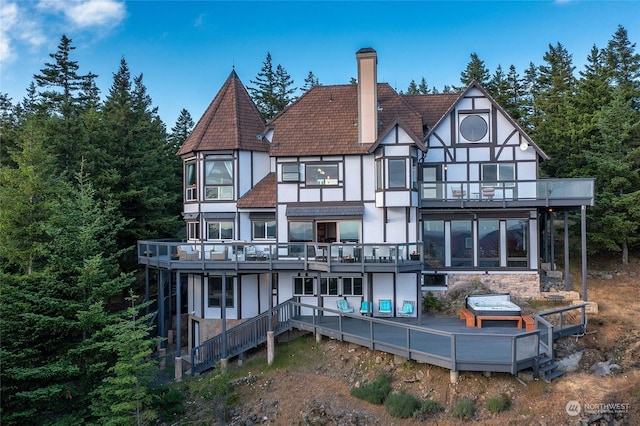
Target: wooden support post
x=271 y=350
x=453 y=376
x=178 y=369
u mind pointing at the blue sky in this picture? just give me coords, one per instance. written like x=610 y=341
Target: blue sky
x=186 y=49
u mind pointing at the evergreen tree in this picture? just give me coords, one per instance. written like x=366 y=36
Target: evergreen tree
x=309 y=82
x=553 y=99
x=283 y=89
x=476 y=70
x=181 y=131
x=423 y=88
x=264 y=94
x=412 y=89
x=124 y=395
x=615 y=218
x=138 y=164
x=624 y=65
x=61 y=102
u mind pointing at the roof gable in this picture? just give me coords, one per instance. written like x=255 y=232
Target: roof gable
x=476 y=85
x=231 y=121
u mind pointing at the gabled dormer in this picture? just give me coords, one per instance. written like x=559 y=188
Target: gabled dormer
x=476 y=149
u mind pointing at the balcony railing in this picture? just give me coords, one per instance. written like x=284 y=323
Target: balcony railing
x=152 y=251
x=540 y=192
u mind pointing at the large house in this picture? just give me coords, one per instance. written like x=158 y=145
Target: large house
x=356 y=192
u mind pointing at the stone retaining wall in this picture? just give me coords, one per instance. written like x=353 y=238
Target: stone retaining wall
x=521 y=286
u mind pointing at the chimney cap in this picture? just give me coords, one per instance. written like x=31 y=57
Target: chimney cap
x=366 y=50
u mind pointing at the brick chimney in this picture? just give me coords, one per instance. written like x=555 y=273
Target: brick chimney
x=367 y=95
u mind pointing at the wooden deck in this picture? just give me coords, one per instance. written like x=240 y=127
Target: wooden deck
x=443 y=341
x=446 y=342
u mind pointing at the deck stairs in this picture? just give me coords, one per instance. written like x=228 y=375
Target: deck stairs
x=548 y=369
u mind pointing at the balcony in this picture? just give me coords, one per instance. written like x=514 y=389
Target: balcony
x=522 y=193
x=250 y=256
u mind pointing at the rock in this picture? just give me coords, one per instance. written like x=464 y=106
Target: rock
x=605 y=368
x=570 y=363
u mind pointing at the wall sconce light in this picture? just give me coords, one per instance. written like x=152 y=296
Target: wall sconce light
x=524 y=146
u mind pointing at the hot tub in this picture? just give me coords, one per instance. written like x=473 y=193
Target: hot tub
x=492 y=305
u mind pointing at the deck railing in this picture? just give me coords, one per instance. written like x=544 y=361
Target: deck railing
x=240 y=338
x=454 y=350
x=544 y=191
x=457 y=351
x=156 y=251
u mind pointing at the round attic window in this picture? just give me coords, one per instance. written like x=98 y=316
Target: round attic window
x=473 y=128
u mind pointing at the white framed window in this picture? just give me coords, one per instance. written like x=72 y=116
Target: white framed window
x=264 y=229
x=193 y=230
x=321 y=174
x=219 y=177
x=503 y=173
x=215 y=292
x=291 y=172
x=303 y=286
x=352 y=286
x=220 y=230
x=190 y=181
x=379 y=174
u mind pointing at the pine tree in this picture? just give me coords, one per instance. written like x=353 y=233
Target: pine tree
x=62 y=102
x=412 y=89
x=615 y=219
x=181 y=131
x=554 y=104
x=309 y=82
x=124 y=396
x=476 y=70
x=624 y=65
x=423 y=88
x=273 y=90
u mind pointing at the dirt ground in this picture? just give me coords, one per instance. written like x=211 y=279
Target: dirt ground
x=315 y=391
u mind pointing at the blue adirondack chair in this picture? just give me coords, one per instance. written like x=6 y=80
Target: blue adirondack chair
x=343 y=306
x=385 y=308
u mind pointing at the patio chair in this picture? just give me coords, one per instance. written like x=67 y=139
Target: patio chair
x=366 y=308
x=385 y=308
x=407 y=309
x=343 y=306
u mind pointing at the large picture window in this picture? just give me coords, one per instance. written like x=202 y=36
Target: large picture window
x=488 y=243
x=517 y=243
x=215 y=292
x=321 y=174
x=219 y=177
x=299 y=232
x=461 y=243
x=433 y=238
x=220 y=230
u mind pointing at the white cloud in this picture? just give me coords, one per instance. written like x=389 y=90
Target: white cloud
x=88 y=13
x=16 y=24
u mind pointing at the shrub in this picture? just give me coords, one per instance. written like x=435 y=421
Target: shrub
x=431 y=302
x=427 y=408
x=498 y=404
x=463 y=409
x=375 y=392
x=168 y=402
x=402 y=405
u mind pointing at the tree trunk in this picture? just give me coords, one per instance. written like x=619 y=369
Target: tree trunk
x=625 y=253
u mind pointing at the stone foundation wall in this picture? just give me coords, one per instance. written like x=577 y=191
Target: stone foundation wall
x=520 y=286
x=210 y=327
